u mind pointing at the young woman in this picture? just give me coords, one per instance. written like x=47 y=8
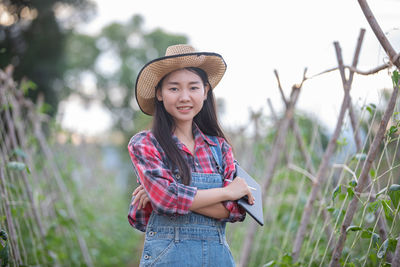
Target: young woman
x=184 y=164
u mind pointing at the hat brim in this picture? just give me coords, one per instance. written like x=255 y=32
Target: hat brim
x=150 y=75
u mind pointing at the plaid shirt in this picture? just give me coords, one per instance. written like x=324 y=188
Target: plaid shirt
x=167 y=196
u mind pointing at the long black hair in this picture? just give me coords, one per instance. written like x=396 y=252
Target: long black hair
x=164 y=125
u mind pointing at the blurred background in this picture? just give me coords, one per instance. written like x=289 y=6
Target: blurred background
x=73 y=64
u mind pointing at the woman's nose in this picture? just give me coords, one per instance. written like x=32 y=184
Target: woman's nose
x=184 y=95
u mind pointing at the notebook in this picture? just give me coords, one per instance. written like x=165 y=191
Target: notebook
x=256 y=210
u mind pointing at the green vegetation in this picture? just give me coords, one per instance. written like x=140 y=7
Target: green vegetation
x=64 y=201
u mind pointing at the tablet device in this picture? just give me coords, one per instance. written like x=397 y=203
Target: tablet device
x=256 y=210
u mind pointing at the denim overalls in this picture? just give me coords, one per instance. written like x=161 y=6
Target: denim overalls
x=192 y=239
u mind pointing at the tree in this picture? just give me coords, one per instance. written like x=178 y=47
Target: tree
x=113 y=59
x=32 y=39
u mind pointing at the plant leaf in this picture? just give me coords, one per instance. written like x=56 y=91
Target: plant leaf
x=353 y=228
x=392 y=130
x=366 y=234
x=372 y=173
x=394 y=194
x=392 y=244
x=382 y=250
x=16 y=165
x=4 y=255
x=375 y=239
x=337 y=190
x=287 y=259
x=350 y=192
x=395 y=78
x=387 y=209
x=360 y=156
x=271 y=263
x=18 y=152
x=330 y=209
x=353 y=183
x=27 y=85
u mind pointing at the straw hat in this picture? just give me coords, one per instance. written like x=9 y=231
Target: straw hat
x=176 y=57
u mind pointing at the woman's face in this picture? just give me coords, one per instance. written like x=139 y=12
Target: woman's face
x=183 y=94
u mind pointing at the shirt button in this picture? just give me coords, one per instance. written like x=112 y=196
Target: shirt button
x=146 y=257
x=151 y=233
x=197 y=165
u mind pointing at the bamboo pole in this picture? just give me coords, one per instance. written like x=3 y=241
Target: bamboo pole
x=272 y=163
x=306 y=216
x=393 y=55
x=310 y=168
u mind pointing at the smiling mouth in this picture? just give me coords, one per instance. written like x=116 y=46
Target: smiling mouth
x=184 y=108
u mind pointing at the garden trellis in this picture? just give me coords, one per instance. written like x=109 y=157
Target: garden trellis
x=321 y=175
x=324 y=204
x=31 y=189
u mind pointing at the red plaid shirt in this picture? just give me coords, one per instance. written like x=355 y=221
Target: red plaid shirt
x=169 y=197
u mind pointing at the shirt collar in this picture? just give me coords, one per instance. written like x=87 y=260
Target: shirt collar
x=198 y=134
x=200 y=138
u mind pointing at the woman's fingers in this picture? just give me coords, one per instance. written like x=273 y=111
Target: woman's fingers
x=145 y=201
x=250 y=197
x=239 y=188
x=137 y=193
x=140 y=187
x=141 y=198
x=140 y=201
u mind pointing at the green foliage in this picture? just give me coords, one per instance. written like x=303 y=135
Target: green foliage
x=18 y=166
x=342 y=142
x=4 y=250
x=353 y=228
x=388 y=245
x=27 y=85
x=395 y=78
x=371 y=108
x=100 y=206
x=18 y=152
x=394 y=194
x=36 y=47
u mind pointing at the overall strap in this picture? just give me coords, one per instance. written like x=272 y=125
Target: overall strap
x=217 y=153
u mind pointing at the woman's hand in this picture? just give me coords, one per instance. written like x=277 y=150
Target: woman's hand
x=239 y=188
x=141 y=197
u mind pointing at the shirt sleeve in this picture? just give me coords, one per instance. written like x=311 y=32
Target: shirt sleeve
x=167 y=197
x=138 y=218
x=236 y=213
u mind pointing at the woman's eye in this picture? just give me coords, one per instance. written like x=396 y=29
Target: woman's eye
x=173 y=89
x=194 y=88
